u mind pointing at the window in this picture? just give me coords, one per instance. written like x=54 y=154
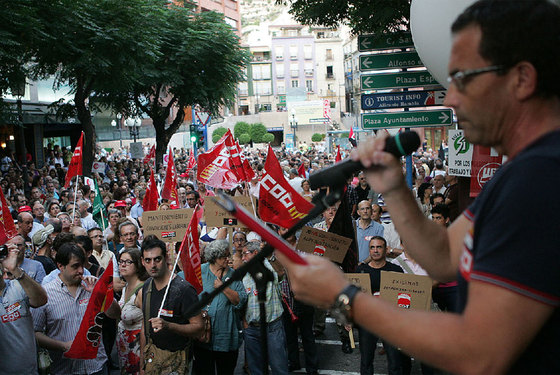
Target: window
x=330 y=73
x=279 y=50
x=309 y=85
x=294 y=70
x=329 y=54
x=280 y=70
x=280 y=88
x=309 y=69
x=295 y=83
x=243 y=89
x=308 y=51
x=261 y=71
x=263 y=88
x=293 y=52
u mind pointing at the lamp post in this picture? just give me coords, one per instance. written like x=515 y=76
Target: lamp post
x=134 y=126
x=116 y=122
x=293 y=123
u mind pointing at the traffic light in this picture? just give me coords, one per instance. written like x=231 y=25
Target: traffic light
x=194 y=134
x=200 y=135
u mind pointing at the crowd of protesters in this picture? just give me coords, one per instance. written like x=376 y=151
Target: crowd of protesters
x=56 y=228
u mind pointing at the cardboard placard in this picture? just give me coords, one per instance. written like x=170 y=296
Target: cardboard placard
x=406 y=290
x=136 y=150
x=361 y=280
x=215 y=216
x=333 y=246
x=167 y=225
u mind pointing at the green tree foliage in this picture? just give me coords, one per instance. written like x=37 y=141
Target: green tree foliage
x=218 y=133
x=257 y=131
x=363 y=16
x=239 y=128
x=268 y=138
x=317 y=137
x=244 y=139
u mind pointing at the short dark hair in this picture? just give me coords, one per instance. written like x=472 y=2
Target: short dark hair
x=436 y=195
x=68 y=250
x=379 y=238
x=152 y=241
x=86 y=243
x=93 y=230
x=137 y=260
x=196 y=195
x=515 y=31
x=61 y=239
x=441 y=209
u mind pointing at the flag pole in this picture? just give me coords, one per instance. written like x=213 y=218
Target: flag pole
x=75 y=194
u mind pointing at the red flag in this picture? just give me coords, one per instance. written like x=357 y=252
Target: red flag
x=352 y=138
x=192 y=161
x=189 y=252
x=249 y=172
x=279 y=203
x=151 y=155
x=301 y=171
x=7 y=227
x=215 y=167
x=88 y=337
x=338 y=156
x=169 y=190
x=75 y=167
x=150 y=202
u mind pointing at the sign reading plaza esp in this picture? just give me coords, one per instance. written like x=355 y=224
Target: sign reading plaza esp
x=460 y=154
x=402 y=99
x=440 y=117
x=385 y=41
x=167 y=225
x=397 y=80
x=406 y=290
x=395 y=60
x=333 y=245
x=216 y=216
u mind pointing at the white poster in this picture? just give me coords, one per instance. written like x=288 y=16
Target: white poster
x=460 y=154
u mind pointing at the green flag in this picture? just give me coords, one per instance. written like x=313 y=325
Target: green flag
x=99 y=213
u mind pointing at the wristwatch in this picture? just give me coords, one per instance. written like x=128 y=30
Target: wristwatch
x=342 y=307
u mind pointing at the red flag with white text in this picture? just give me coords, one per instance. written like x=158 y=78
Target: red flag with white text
x=7 y=227
x=247 y=170
x=169 y=190
x=279 y=203
x=75 y=168
x=151 y=155
x=215 y=167
x=352 y=138
x=189 y=252
x=88 y=338
x=150 y=202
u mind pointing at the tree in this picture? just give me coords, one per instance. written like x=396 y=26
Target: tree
x=201 y=63
x=317 y=137
x=256 y=132
x=362 y=16
x=239 y=128
x=268 y=138
x=97 y=47
x=218 y=133
x=244 y=139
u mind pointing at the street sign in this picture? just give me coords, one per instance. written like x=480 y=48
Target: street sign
x=390 y=61
x=397 y=80
x=441 y=117
x=385 y=41
x=402 y=99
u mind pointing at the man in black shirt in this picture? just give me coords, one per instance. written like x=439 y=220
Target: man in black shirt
x=368 y=341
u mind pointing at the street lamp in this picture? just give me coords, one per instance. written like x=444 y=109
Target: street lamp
x=134 y=127
x=293 y=121
x=116 y=122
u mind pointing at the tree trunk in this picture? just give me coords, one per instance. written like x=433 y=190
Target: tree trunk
x=161 y=140
x=84 y=115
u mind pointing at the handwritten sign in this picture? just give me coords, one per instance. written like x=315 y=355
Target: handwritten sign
x=361 y=280
x=216 y=216
x=406 y=290
x=316 y=241
x=167 y=225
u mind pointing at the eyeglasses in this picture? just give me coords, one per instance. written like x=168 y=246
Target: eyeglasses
x=126 y=262
x=461 y=78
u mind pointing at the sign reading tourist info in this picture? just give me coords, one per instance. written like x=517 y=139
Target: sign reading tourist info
x=406 y=99
x=440 y=117
x=397 y=80
x=385 y=41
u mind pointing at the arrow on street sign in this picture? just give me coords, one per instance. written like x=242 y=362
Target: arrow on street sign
x=416 y=119
x=384 y=41
x=390 y=61
x=406 y=99
x=397 y=80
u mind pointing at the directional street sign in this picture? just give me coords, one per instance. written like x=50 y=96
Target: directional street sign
x=386 y=41
x=397 y=80
x=402 y=99
x=390 y=61
x=441 y=117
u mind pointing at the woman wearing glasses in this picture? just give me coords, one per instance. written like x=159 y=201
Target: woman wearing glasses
x=128 y=335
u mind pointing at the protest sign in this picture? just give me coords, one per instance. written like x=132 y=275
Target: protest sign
x=318 y=242
x=167 y=225
x=361 y=280
x=406 y=290
x=216 y=216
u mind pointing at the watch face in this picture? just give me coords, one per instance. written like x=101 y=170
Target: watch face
x=343 y=300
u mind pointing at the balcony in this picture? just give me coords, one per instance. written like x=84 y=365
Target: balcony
x=329 y=76
x=294 y=73
x=309 y=72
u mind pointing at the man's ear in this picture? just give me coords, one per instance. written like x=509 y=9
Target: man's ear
x=525 y=84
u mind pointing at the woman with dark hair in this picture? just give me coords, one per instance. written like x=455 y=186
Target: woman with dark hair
x=219 y=356
x=128 y=335
x=423 y=198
